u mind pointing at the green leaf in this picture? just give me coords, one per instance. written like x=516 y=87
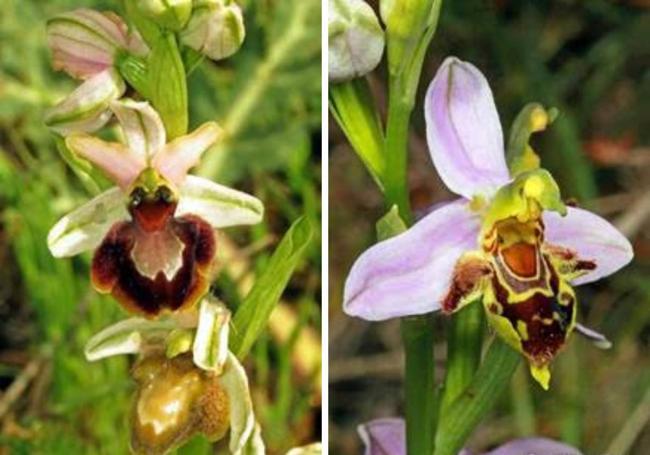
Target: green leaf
x=490 y=381
x=168 y=86
x=390 y=224
x=251 y=318
x=353 y=107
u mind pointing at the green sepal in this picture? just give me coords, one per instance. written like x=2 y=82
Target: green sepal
x=390 y=224
x=134 y=70
x=253 y=314
x=525 y=198
x=353 y=108
x=520 y=155
x=168 y=85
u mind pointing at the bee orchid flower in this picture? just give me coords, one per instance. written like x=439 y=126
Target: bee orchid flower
x=153 y=233
x=85 y=44
x=388 y=436
x=509 y=241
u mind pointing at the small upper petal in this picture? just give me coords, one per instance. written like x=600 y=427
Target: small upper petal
x=119 y=162
x=463 y=130
x=411 y=273
x=537 y=446
x=84 y=228
x=242 y=419
x=180 y=155
x=143 y=129
x=384 y=436
x=217 y=204
x=592 y=238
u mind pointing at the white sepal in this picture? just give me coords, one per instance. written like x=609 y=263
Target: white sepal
x=85 y=228
x=126 y=337
x=217 y=204
x=242 y=418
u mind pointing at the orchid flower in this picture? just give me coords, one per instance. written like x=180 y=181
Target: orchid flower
x=509 y=240
x=193 y=385
x=388 y=436
x=85 y=44
x=153 y=233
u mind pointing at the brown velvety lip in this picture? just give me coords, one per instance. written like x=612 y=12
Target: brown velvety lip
x=114 y=271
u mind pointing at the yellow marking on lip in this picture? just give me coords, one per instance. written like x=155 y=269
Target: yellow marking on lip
x=522 y=328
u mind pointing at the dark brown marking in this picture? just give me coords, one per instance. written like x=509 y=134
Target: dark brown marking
x=467 y=276
x=113 y=270
x=544 y=340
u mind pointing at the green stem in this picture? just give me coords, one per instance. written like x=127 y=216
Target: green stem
x=465 y=340
x=490 y=381
x=417 y=336
x=396 y=151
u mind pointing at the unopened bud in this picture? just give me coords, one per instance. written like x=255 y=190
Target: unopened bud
x=171 y=14
x=356 y=40
x=215 y=29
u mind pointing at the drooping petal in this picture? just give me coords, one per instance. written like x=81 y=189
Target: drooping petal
x=84 y=228
x=217 y=204
x=356 y=40
x=120 y=163
x=180 y=155
x=86 y=109
x=125 y=337
x=384 y=436
x=143 y=129
x=84 y=42
x=210 y=349
x=463 y=130
x=538 y=446
x=411 y=273
x=592 y=238
x=597 y=338
x=242 y=419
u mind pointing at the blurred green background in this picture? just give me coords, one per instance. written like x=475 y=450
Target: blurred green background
x=269 y=96
x=591 y=59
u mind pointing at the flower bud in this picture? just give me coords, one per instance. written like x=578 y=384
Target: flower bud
x=171 y=14
x=216 y=28
x=85 y=42
x=356 y=40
